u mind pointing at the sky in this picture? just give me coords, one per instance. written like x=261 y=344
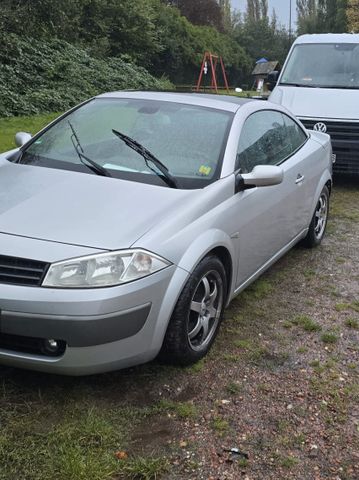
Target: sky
x=281 y=7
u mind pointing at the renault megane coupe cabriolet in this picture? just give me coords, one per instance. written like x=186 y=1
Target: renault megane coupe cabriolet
x=130 y=222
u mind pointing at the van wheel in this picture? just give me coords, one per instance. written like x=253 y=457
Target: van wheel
x=319 y=221
x=197 y=316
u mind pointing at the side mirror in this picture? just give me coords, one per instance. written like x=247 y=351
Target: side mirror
x=21 y=138
x=262 y=176
x=272 y=79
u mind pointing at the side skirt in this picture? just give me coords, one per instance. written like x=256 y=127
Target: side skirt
x=268 y=264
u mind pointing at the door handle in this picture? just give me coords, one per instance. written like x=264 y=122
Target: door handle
x=300 y=178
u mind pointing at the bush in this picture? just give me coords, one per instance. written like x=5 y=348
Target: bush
x=39 y=76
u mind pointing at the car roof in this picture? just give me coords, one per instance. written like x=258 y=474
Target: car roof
x=221 y=102
x=328 y=38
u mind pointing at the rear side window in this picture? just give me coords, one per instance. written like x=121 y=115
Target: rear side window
x=268 y=138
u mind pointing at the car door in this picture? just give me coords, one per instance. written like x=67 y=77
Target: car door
x=270 y=218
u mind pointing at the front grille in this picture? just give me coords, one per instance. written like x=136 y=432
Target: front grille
x=31 y=345
x=21 y=271
x=345 y=142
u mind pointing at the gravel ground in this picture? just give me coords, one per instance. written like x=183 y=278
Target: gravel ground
x=280 y=385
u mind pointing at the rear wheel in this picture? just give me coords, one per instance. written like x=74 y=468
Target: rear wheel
x=197 y=316
x=319 y=221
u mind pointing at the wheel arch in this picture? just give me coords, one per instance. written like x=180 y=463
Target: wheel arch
x=225 y=257
x=329 y=185
x=213 y=242
x=325 y=181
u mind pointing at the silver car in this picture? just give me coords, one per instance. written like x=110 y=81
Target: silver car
x=129 y=223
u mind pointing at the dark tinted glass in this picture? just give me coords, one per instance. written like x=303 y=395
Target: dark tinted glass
x=267 y=138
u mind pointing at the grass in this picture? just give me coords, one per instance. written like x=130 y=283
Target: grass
x=259 y=289
x=352 y=323
x=340 y=307
x=75 y=446
x=233 y=388
x=329 y=337
x=197 y=367
x=231 y=357
x=143 y=468
x=288 y=461
x=306 y=323
x=302 y=349
x=220 y=425
x=244 y=344
x=70 y=441
x=180 y=409
x=10 y=126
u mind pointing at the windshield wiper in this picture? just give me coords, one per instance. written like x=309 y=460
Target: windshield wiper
x=91 y=164
x=148 y=157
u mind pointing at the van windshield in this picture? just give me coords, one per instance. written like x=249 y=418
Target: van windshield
x=323 y=65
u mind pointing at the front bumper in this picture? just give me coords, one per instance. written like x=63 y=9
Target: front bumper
x=104 y=329
x=79 y=331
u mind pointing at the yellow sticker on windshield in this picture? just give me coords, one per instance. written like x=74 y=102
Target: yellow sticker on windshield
x=205 y=170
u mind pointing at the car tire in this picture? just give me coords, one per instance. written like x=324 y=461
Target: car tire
x=197 y=316
x=319 y=221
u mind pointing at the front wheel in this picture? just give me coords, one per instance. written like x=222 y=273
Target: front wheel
x=319 y=221
x=197 y=316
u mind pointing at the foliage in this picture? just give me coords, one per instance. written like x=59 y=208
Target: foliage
x=262 y=37
x=109 y=27
x=257 y=10
x=322 y=16
x=353 y=15
x=183 y=45
x=38 y=76
x=201 y=12
x=10 y=126
x=95 y=45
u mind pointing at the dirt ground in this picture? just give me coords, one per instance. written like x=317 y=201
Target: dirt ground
x=280 y=385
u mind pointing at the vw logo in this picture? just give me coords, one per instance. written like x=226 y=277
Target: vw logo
x=320 y=127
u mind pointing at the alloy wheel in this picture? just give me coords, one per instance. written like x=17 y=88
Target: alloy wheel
x=205 y=310
x=321 y=214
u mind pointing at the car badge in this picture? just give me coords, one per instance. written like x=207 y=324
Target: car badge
x=320 y=127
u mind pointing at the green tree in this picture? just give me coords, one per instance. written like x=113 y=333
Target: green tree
x=225 y=6
x=353 y=16
x=261 y=36
x=201 y=12
x=41 y=18
x=322 y=16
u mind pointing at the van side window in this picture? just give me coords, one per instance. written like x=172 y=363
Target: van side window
x=267 y=138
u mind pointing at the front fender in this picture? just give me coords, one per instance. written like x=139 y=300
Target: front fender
x=202 y=245
x=196 y=251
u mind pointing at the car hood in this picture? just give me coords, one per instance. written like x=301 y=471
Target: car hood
x=81 y=209
x=318 y=102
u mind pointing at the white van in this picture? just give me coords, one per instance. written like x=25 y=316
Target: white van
x=319 y=83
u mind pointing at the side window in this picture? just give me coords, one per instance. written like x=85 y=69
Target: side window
x=267 y=138
x=295 y=134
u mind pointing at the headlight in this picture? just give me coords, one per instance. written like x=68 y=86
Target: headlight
x=104 y=270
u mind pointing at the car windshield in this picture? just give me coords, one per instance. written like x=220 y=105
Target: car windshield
x=326 y=65
x=187 y=140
